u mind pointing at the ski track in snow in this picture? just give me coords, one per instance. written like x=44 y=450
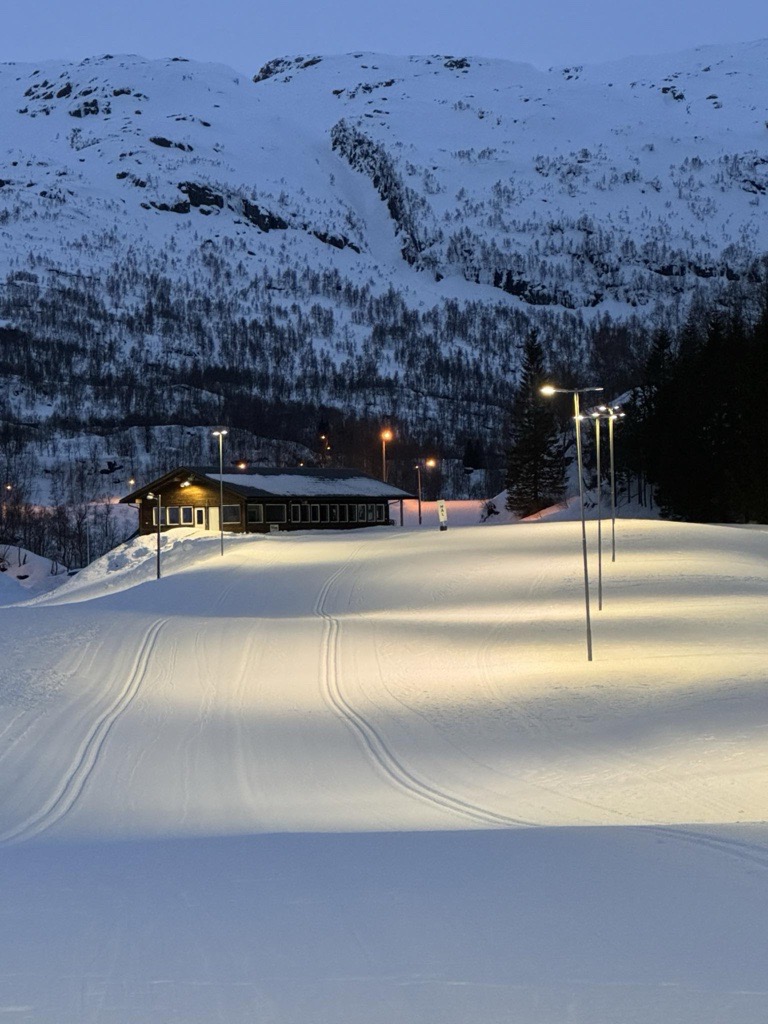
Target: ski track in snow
x=749 y=852
x=371 y=738
x=74 y=781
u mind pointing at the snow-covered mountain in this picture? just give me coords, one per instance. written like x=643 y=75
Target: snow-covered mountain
x=373 y=234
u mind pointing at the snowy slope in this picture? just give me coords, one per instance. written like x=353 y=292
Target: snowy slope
x=349 y=777
x=493 y=167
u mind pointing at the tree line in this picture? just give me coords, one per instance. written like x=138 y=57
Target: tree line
x=694 y=439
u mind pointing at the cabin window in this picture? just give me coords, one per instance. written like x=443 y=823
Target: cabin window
x=295 y=513
x=163 y=519
x=380 y=516
x=173 y=515
x=255 y=514
x=343 y=513
x=275 y=513
x=371 y=513
x=315 y=513
x=323 y=513
x=361 y=513
x=334 y=509
x=305 y=513
x=231 y=514
x=186 y=515
x=353 y=513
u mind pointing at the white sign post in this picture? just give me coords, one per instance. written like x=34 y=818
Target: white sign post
x=442 y=514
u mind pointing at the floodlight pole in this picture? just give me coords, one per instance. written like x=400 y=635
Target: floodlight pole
x=159 y=514
x=611 y=418
x=159 y=521
x=386 y=435
x=615 y=414
x=577 y=416
x=596 y=418
x=220 y=434
x=549 y=390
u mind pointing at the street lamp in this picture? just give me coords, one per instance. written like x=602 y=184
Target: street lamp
x=549 y=390
x=221 y=434
x=386 y=435
x=159 y=511
x=596 y=417
x=614 y=413
x=430 y=464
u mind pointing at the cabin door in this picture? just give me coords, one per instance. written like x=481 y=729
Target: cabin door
x=213 y=518
x=200 y=517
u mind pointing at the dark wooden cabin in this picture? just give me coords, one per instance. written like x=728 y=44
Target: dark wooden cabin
x=265 y=499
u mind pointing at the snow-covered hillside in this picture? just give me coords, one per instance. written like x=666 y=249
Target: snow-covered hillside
x=346 y=778
x=183 y=243
x=616 y=184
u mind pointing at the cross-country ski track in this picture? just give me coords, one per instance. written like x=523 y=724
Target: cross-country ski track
x=371 y=777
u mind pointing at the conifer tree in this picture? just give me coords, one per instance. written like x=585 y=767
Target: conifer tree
x=536 y=458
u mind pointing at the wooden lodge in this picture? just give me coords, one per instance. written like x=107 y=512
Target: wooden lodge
x=265 y=500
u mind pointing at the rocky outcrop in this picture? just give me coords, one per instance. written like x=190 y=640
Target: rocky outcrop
x=410 y=211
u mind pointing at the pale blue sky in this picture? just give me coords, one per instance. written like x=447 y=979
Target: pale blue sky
x=246 y=33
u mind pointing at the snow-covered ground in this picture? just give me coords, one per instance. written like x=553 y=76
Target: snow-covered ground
x=372 y=777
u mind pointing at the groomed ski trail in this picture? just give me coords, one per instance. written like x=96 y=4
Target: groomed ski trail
x=66 y=796
x=372 y=740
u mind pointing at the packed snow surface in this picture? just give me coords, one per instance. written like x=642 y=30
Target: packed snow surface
x=372 y=777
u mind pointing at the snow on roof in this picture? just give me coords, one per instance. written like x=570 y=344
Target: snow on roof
x=310 y=483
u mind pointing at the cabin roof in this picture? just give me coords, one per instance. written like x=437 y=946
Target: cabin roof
x=277 y=482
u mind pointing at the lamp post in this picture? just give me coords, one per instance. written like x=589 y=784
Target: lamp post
x=429 y=464
x=596 y=417
x=614 y=413
x=221 y=434
x=549 y=390
x=386 y=435
x=157 y=497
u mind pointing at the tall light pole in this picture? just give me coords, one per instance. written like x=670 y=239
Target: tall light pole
x=386 y=435
x=549 y=390
x=429 y=463
x=614 y=413
x=159 y=498
x=596 y=417
x=221 y=434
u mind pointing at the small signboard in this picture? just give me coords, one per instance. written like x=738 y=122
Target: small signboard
x=442 y=514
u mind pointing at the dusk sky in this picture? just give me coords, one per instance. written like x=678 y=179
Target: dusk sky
x=246 y=34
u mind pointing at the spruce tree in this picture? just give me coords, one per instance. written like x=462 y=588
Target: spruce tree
x=536 y=459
